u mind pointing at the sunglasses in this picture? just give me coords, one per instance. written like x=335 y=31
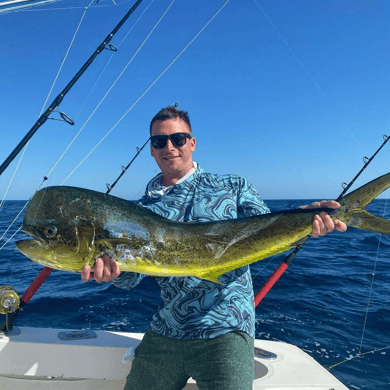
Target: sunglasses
x=177 y=139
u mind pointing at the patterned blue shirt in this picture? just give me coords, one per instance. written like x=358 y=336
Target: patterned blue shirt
x=194 y=308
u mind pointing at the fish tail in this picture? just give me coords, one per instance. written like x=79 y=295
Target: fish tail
x=354 y=203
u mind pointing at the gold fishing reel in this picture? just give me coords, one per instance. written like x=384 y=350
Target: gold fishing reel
x=9 y=300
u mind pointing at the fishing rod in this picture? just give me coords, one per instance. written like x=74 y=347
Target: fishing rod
x=56 y=102
x=287 y=261
x=124 y=169
x=10 y=305
x=11 y=299
x=7 y=325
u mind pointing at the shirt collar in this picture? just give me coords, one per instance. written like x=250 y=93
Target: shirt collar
x=155 y=188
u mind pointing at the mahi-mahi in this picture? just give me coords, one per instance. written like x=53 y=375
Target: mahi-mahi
x=72 y=226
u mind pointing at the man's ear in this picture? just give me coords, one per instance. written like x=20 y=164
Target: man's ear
x=193 y=144
x=151 y=150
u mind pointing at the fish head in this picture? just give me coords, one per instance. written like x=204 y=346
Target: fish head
x=62 y=231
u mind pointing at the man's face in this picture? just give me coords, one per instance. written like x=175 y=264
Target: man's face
x=173 y=161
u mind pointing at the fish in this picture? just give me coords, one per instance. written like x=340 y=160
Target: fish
x=71 y=227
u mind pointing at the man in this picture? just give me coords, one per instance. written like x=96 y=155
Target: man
x=202 y=329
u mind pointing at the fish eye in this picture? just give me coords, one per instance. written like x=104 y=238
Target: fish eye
x=50 y=231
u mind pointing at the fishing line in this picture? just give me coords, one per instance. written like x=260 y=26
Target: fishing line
x=7 y=325
x=307 y=73
x=46 y=177
x=372 y=283
x=19 y=8
x=13 y=235
x=369 y=295
x=61 y=8
x=20 y=212
x=286 y=262
x=13 y=176
x=112 y=55
x=59 y=98
x=47 y=98
x=44 y=104
x=64 y=8
x=353 y=357
x=57 y=101
x=66 y=56
x=47 y=270
x=101 y=101
x=17 y=218
x=33 y=219
x=264 y=267
x=137 y=195
x=146 y=91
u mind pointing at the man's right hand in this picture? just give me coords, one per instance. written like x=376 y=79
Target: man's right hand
x=104 y=270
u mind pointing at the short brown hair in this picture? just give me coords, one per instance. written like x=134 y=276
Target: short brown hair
x=171 y=112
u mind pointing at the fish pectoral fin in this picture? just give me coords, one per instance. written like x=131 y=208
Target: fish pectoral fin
x=367 y=221
x=85 y=231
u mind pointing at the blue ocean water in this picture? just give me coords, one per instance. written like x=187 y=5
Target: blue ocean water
x=320 y=304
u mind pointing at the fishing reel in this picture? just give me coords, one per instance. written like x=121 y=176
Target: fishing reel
x=9 y=305
x=9 y=300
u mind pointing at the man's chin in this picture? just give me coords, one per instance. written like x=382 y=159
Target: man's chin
x=173 y=164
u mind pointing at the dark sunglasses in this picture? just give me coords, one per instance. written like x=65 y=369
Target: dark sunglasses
x=177 y=139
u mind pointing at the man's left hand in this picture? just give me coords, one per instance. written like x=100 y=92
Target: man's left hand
x=323 y=223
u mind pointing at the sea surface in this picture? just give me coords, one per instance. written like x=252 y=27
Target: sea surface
x=333 y=301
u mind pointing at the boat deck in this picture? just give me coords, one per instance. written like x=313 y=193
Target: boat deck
x=40 y=358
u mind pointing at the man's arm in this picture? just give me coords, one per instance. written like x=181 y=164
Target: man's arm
x=250 y=203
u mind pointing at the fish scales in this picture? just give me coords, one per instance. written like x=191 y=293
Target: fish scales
x=72 y=226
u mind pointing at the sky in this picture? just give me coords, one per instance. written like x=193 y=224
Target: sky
x=288 y=94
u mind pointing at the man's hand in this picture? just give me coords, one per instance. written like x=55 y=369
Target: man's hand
x=105 y=270
x=323 y=223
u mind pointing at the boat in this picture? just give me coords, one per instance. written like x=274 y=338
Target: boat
x=63 y=359
x=46 y=358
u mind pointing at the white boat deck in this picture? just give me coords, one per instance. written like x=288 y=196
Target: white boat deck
x=38 y=359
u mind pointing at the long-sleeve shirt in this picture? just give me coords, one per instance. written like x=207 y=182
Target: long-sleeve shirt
x=194 y=308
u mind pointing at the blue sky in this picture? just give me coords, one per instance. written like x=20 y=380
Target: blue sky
x=289 y=94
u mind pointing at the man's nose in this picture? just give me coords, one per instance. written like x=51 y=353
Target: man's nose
x=169 y=145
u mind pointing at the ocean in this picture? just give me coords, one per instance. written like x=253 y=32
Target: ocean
x=323 y=303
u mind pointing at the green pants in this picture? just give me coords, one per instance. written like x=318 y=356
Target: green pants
x=222 y=363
